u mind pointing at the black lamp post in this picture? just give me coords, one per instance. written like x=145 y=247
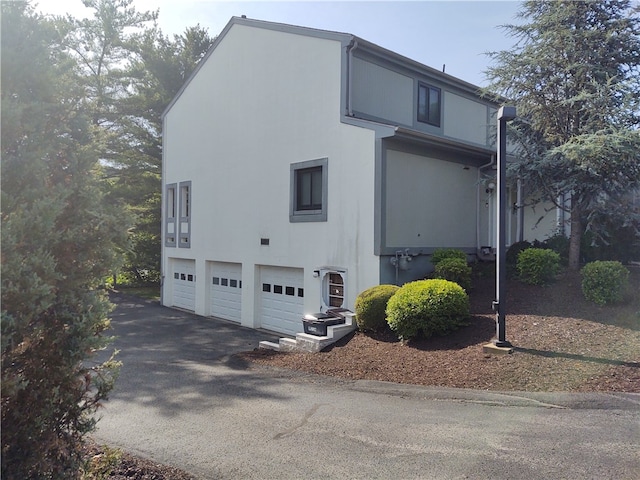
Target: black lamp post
x=505 y=114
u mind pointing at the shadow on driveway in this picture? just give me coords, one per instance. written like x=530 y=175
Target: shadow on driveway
x=174 y=360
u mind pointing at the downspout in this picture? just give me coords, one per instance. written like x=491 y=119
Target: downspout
x=560 y=214
x=520 y=213
x=481 y=255
x=352 y=46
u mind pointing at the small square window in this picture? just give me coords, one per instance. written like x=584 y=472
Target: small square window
x=224 y=282
x=301 y=292
x=216 y=280
x=308 y=196
x=277 y=289
x=176 y=276
x=290 y=291
x=266 y=287
x=233 y=283
x=189 y=278
x=309 y=188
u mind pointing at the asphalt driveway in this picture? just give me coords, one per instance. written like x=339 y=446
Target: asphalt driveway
x=184 y=400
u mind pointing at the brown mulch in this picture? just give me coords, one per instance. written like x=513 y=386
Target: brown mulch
x=114 y=464
x=562 y=343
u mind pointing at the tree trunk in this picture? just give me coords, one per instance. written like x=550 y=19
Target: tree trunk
x=575 y=237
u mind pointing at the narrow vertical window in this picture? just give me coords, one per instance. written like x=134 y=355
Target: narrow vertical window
x=185 y=201
x=184 y=208
x=170 y=230
x=171 y=201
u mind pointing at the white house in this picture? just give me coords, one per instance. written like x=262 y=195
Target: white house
x=303 y=166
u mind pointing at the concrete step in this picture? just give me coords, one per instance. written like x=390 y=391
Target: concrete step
x=288 y=344
x=313 y=343
x=269 y=345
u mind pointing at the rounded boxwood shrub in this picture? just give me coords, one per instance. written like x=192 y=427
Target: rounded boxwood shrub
x=427 y=307
x=371 y=307
x=604 y=281
x=454 y=270
x=442 y=253
x=538 y=266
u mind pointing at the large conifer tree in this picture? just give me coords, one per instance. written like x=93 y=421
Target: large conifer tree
x=59 y=240
x=574 y=75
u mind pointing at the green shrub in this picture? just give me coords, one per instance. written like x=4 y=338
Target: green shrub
x=427 y=307
x=538 y=266
x=443 y=253
x=371 y=307
x=454 y=270
x=604 y=281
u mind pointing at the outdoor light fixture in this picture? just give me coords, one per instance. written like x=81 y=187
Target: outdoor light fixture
x=505 y=114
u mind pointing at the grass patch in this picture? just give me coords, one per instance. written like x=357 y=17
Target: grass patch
x=148 y=292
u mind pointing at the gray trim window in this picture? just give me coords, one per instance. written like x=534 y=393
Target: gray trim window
x=170 y=231
x=308 y=191
x=429 y=104
x=184 y=222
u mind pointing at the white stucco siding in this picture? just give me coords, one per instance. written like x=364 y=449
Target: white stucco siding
x=540 y=220
x=429 y=202
x=263 y=100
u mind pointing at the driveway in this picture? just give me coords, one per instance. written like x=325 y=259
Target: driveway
x=182 y=399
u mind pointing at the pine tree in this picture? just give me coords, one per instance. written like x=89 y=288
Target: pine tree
x=132 y=71
x=574 y=75
x=59 y=240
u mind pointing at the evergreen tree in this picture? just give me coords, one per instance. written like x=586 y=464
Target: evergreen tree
x=102 y=47
x=160 y=66
x=59 y=240
x=132 y=72
x=574 y=75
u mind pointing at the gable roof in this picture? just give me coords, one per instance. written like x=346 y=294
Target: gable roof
x=346 y=39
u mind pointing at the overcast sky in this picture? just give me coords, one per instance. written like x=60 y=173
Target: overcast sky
x=452 y=33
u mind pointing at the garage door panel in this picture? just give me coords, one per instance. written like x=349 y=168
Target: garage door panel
x=184 y=284
x=282 y=298
x=226 y=290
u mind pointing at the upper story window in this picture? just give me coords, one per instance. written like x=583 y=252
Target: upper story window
x=308 y=195
x=429 y=103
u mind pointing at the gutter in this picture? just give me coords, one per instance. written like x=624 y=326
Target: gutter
x=352 y=46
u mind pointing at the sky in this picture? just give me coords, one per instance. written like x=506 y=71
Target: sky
x=456 y=34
